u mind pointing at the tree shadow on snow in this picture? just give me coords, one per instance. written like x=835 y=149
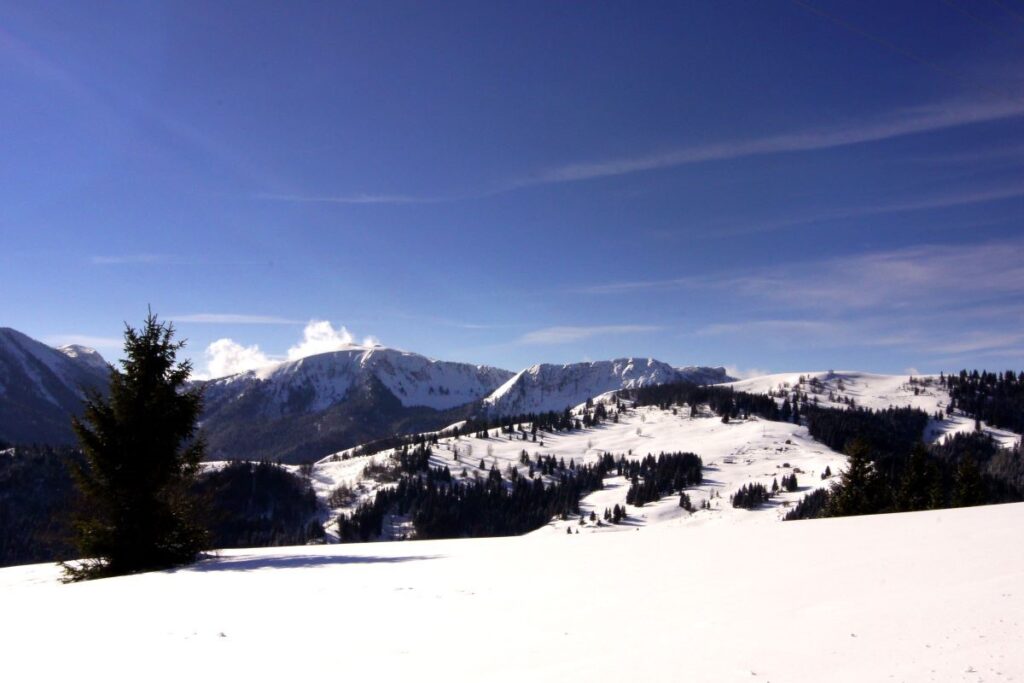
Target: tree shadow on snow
x=244 y=563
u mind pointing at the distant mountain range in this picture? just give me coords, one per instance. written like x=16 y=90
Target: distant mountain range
x=553 y=387
x=301 y=410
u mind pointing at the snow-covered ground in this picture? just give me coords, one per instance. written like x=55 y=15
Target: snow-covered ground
x=875 y=391
x=734 y=454
x=928 y=596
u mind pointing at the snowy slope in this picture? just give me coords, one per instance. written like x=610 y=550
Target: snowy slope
x=547 y=387
x=414 y=379
x=874 y=391
x=928 y=596
x=734 y=454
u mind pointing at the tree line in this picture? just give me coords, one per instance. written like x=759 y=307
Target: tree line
x=997 y=398
x=438 y=505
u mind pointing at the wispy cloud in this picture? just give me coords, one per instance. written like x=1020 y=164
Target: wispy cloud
x=775 y=327
x=127 y=259
x=170 y=260
x=743 y=373
x=233 y=319
x=354 y=199
x=962 y=197
x=982 y=341
x=569 y=334
x=913 y=121
x=946 y=303
x=892 y=279
x=909 y=121
x=1011 y=154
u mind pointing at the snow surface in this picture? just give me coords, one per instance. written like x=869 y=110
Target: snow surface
x=925 y=596
x=877 y=392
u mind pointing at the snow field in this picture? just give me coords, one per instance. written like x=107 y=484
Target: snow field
x=734 y=454
x=928 y=596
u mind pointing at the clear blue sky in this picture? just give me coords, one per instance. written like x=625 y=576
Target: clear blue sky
x=776 y=185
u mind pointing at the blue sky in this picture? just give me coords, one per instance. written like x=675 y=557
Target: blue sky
x=779 y=185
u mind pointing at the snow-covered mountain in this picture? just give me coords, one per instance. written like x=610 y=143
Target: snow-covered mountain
x=303 y=409
x=318 y=382
x=85 y=356
x=42 y=387
x=547 y=387
x=307 y=408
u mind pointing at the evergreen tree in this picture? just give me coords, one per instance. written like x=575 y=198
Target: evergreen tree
x=137 y=511
x=968 y=486
x=915 y=485
x=856 y=492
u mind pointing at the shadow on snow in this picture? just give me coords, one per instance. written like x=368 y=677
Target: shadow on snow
x=253 y=562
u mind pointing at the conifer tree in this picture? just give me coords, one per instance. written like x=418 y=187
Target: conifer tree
x=856 y=492
x=968 y=486
x=915 y=485
x=137 y=510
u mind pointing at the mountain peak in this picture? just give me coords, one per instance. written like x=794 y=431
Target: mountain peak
x=85 y=355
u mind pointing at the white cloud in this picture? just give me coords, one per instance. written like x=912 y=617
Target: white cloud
x=568 y=334
x=321 y=337
x=226 y=357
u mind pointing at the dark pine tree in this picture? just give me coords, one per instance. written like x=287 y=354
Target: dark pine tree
x=857 y=490
x=915 y=486
x=137 y=510
x=968 y=488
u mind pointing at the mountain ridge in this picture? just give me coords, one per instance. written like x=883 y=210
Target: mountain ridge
x=303 y=409
x=42 y=387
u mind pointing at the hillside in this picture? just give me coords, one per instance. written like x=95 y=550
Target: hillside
x=42 y=387
x=734 y=454
x=868 y=390
x=830 y=600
